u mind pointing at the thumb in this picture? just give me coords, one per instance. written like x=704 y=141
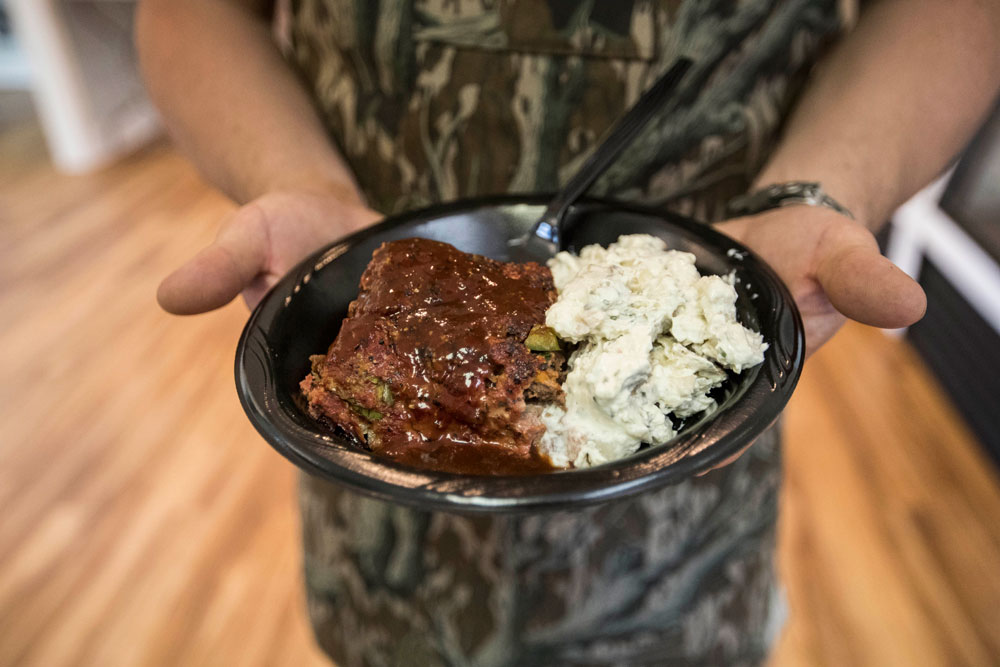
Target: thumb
x=218 y=273
x=864 y=285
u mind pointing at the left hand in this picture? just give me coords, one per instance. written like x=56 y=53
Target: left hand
x=833 y=268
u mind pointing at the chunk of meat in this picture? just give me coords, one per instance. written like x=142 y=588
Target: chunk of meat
x=430 y=366
x=547 y=385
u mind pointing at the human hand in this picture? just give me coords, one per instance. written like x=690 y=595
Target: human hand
x=257 y=244
x=833 y=268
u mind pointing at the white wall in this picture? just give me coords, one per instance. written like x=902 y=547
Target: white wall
x=84 y=78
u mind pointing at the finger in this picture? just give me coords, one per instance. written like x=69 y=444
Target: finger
x=864 y=285
x=221 y=271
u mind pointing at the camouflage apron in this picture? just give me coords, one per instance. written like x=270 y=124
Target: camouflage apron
x=434 y=100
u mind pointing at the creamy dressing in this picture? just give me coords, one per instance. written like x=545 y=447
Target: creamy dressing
x=654 y=339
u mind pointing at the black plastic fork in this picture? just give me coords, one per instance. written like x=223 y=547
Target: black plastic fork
x=544 y=239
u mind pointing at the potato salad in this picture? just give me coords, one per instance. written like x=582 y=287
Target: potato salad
x=654 y=338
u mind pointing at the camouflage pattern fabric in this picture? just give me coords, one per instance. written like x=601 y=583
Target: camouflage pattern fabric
x=435 y=100
x=679 y=576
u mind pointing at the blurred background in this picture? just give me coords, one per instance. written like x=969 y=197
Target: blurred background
x=145 y=523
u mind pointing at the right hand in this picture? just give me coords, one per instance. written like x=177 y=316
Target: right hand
x=257 y=245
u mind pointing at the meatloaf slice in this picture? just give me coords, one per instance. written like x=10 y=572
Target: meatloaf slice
x=430 y=367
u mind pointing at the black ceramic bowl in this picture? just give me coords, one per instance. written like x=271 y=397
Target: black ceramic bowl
x=301 y=315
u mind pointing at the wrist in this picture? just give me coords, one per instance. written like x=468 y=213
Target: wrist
x=341 y=188
x=840 y=190
x=780 y=195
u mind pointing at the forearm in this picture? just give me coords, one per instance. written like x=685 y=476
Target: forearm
x=893 y=103
x=230 y=101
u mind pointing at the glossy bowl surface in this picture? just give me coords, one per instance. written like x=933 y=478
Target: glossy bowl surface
x=301 y=315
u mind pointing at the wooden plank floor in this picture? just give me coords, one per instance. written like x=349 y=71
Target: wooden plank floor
x=144 y=523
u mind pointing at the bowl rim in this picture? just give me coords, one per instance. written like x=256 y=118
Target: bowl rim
x=725 y=433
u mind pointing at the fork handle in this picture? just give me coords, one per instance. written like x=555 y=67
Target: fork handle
x=615 y=141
